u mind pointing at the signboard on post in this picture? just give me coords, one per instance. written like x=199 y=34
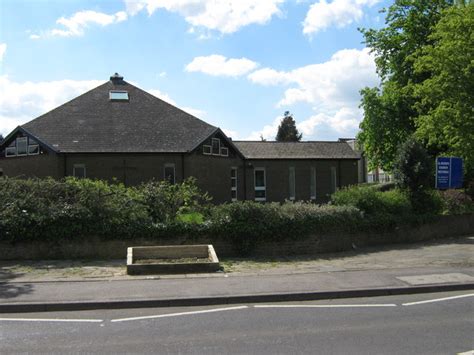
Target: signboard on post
x=448 y=173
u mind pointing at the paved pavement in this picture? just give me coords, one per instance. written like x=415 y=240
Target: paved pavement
x=427 y=267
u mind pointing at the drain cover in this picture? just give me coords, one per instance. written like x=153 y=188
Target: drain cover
x=436 y=279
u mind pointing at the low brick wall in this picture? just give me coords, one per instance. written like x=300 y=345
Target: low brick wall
x=443 y=227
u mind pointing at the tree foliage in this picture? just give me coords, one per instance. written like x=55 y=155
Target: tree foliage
x=287 y=131
x=413 y=170
x=389 y=111
x=445 y=99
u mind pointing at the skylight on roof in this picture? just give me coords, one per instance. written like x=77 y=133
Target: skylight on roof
x=118 y=95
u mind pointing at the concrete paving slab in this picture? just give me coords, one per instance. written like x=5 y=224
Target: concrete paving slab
x=436 y=279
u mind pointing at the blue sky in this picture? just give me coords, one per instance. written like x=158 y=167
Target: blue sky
x=237 y=64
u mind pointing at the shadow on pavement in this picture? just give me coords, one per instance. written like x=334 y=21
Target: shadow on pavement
x=12 y=290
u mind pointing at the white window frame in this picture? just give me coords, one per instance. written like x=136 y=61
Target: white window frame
x=17 y=141
x=226 y=154
x=32 y=146
x=260 y=188
x=292 y=183
x=10 y=149
x=170 y=165
x=312 y=183
x=212 y=146
x=79 y=166
x=204 y=147
x=118 y=92
x=234 y=188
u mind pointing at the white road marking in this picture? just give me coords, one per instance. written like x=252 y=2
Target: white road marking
x=438 y=299
x=51 y=320
x=470 y=352
x=324 y=305
x=180 y=314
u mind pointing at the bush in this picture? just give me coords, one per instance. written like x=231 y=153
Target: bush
x=248 y=223
x=373 y=202
x=413 y=170
x=457 y=202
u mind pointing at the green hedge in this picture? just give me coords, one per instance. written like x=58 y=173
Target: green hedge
x=48 y=209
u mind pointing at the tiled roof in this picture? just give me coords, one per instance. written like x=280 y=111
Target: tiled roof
x=296 y=150
x=94 y=123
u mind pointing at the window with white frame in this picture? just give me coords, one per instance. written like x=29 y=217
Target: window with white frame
x=118 y=95
x=292 y=183
x=333 y=179
x=79 y=171
x=312 y=183
x=169 y=173
x=22 y=146
x=224 y=151
x=260 y=184
x=216 y=146
x=233 y=183
x=33 y=147
x=206 y=149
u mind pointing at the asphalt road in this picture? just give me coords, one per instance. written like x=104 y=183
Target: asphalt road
x=439 y=323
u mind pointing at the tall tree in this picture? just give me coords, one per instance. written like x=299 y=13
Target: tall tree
x=287 y=131
x=446 y=98
x=389 y=111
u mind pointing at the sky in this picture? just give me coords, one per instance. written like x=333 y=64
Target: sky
x=236 y=64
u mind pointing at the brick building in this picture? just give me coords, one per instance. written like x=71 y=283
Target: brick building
x=118 y=131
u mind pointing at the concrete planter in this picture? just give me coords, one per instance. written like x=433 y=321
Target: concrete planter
x=160 y=259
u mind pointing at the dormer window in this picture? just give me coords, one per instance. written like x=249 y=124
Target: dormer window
x=116 y=95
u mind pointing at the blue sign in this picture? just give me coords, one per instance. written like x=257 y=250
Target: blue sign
x=448 y=173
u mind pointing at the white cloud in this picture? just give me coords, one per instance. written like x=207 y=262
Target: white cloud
x=22 y=102
x=267 y=132
x=77 y=23
x=330 y=85
x=345 y=121
x=342 y=122
x=163 y=96
x=225 y=16
x=338 y=13
x=218 y=65
x=3 y=49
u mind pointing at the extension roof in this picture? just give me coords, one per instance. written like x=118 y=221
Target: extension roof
x=92 y=123
x=296 y=150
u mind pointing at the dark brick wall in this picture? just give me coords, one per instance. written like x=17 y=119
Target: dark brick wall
x=213 y=174
x=130 y=169
x=42 y=165
x=277 y=177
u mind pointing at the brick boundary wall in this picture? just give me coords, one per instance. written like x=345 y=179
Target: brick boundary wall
x=443 y=227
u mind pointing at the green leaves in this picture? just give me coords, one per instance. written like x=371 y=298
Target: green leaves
x=445 y=99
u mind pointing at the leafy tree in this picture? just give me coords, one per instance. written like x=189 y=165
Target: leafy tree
x=1 y=138
x=287 y=131
x=445 y=99
x=389 y=112
x=413 y=170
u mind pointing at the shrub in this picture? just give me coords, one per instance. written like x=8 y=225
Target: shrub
x=413 y=170
x=164 y=201
x=248 y=223
x=373 y=202
x=457 y=202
